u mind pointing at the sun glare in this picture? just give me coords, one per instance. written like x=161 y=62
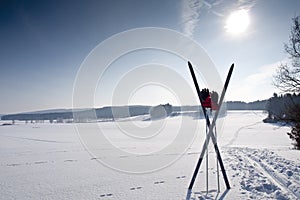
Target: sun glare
x=237 y=22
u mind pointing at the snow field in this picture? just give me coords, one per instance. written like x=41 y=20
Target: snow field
x=48 y=161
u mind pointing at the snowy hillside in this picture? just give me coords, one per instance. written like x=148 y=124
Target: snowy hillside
x=48 y=161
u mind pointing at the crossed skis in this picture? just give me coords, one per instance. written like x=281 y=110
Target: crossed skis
x=210 y=133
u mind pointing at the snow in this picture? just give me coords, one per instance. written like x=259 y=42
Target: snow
x=50 y=161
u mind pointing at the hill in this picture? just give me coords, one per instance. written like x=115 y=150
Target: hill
x=83 y=115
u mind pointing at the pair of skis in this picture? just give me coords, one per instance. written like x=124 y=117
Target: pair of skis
x=210 y=126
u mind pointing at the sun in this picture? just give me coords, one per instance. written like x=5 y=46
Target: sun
x=237 y=22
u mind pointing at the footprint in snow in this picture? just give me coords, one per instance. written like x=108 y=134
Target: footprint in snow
x=40 y=162
x=106 y=195
x=159 y=182
x=13 y=165
x=136 y=188
x=123 y=156
x=180 y=177
x=70 y=160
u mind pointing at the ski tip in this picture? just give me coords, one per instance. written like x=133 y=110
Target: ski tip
x=231 y=68
x=189 y=63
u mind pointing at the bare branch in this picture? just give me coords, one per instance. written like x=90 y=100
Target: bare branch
x=287 y=77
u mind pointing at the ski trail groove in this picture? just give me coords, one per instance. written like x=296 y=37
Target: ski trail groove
x=236 y=134
x=276 y=179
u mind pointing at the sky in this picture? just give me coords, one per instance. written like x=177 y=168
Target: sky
x=44 y=43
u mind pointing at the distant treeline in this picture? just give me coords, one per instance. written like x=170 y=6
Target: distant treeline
x=99 y=113
x=240 y=105
x=38 y=116
x=124 y=111
x=282 y=107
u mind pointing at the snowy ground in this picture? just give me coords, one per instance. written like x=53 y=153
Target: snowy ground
x=48 y=161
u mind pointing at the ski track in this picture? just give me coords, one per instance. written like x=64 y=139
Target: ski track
x=260 y=172
x=236 y=134
x=33 y=139
x=286 y=176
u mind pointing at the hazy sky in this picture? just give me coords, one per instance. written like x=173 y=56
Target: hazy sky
x=43 y=43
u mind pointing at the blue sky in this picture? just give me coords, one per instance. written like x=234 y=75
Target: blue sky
x=43 y=43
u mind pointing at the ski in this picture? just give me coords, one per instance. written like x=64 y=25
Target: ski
x=210 y=126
